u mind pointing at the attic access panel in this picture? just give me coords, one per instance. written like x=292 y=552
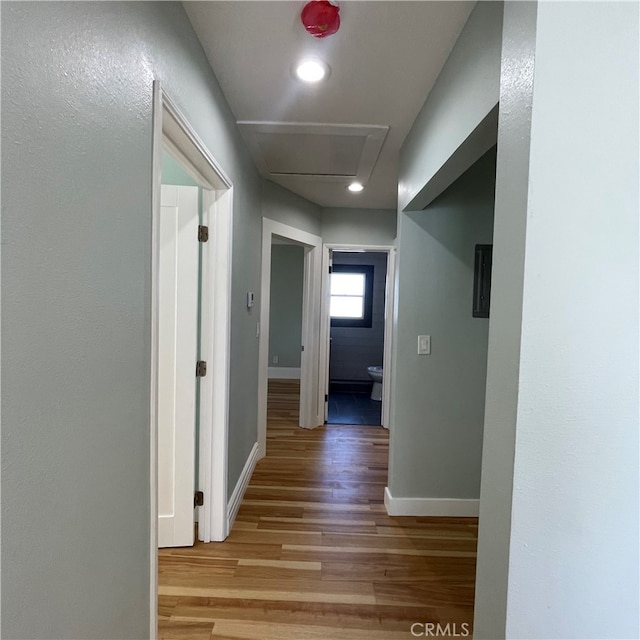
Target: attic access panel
x=302 y=154
x=314 y=151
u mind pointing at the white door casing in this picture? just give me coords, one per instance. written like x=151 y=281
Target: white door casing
x=389 y=310
x=177 y=355
x=170 y=127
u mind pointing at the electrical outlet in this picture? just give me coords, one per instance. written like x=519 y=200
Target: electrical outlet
x=275 y=359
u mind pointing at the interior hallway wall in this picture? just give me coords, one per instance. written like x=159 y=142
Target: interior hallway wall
x=455 y=127
x=359 y=226
x=289 y=208
x=438 y=401
x=558 y=548
x=76 y=296
x=285 y=309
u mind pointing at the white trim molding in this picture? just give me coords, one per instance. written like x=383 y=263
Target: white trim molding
x=243 y=482
x=172 y=131
x=153 y=409
x=179 y=137
x=453 y=507
x=284 y=373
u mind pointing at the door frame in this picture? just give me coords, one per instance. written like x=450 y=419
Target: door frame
x=171 y=129
x=389 y=306
x=311 y=411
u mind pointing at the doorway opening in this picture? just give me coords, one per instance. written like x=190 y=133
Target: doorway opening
x=190 y=338
x=311 y=404
x=285 y=325
x=357 y=286
x=357 y=333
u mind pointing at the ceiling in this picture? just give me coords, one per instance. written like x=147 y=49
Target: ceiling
x=315 y=139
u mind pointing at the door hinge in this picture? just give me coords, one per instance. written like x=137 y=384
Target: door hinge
x=198 y=499
x=201 y=368
x=203 y=233
x=330 y=268
x=326 y=397
x=302 y=348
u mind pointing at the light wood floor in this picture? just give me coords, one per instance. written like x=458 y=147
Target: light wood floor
x=313 y=555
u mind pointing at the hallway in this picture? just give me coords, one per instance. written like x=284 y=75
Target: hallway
x=312 y=553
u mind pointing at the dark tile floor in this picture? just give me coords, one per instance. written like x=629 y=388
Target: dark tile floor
x=353 y=408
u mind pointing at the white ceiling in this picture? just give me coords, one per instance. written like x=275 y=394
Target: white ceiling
x=384 y=60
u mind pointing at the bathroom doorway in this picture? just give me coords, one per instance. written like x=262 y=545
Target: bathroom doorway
x=357 y=333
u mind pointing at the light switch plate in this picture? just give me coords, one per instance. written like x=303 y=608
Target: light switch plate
x=424 y=345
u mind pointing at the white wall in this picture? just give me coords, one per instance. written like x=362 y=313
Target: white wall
x=573 y=553
x=574 y=534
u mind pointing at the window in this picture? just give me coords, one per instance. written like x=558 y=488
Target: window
x=351 y=295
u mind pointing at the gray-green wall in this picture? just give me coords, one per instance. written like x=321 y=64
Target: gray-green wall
x=437 y=408
x=359 y=226
x=438 y=399
x=285 y=310
x=76 y=167
x=290 y=209
x=501 y=400
x=174 y=173
x=451 y=130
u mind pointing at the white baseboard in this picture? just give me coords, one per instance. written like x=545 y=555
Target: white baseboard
x=285 y=373
x=243 y=482
x=430 y=506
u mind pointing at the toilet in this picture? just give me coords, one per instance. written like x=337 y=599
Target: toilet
x=375 y=373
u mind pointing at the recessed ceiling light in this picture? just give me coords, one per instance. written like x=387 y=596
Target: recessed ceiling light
x=312 y=70
x=355 y=187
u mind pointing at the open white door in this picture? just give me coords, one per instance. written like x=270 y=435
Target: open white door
x=177 y=342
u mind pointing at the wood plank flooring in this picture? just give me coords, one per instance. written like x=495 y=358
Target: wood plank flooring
x=313 y=555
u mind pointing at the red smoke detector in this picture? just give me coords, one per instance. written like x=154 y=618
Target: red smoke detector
x=321 y=18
